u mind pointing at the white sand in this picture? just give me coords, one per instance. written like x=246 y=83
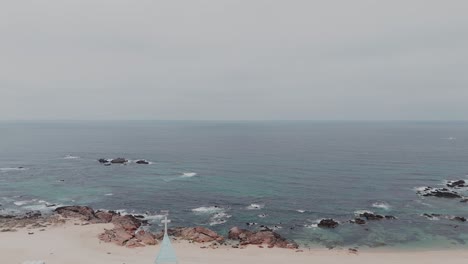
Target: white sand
x=71 y=244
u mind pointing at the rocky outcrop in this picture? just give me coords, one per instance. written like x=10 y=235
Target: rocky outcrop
x=358 y=221
x=103 y=160
x=440 y=216
x=328 y=223
x=117 y=236
x=269 y=238
x=86 y=213
x=196 y=234
x=146 y=237
x=125 y=228
x=458 y=218
x=81 y=212
x=456 y=184
x=439 y=192
x=142 y=162
x=119 y=161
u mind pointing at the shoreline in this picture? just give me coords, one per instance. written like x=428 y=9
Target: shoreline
x=140 y=234
x=73 y=243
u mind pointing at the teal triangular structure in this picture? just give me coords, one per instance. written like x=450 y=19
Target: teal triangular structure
x=166 y=252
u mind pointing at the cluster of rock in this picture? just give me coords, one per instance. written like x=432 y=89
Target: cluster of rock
x=195 y=234
x=30 y=220
x=445 y=192
x=369 y=216
x=108 y=162
x=262 y=237
x=457 y=184
x=438 y=216
x=439 y=192
x=125 y=231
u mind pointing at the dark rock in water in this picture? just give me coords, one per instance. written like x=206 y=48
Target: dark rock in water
x=142 y=162
x=251 y=224
x=443 y=193
x=431 y=216
x=358 y=221
x=197 y=234
x=459 y=218
x=390 y=217
x=371 y=216
x=103 y=160
x=327 y=223
x=269 y=238
x=107 y=164
x=464 y=200
x=119 y=161
x=453 y=184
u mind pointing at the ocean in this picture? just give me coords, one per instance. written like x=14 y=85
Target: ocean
x=287 y=175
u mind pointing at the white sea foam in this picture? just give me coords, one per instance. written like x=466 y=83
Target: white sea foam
x=208 y=209
x=434 y=218
x=122 y=212
x=262 y=215
x=13 y=169
x=359 y=212
x=217 y=222
x=421 y=188
x=311 y=225
x=219 y=218
x=34 y=205
x=189 y=174
x=71 y=157
x=21 y=203
x=108 y=194
x=450 y=138
x=255 y=206
x=301 y=211
x=381 y=205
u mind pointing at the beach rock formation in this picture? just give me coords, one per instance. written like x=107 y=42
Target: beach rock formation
x=125 y=228
x=117 y=236
x=76 y=211
x=196 y=234
x=142 y=162
x=146 y=237
x=119 y=161
x=127 y=222
x=328 y=223
x=269 y=238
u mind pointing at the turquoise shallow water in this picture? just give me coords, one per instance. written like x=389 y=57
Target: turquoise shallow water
x=286 y=175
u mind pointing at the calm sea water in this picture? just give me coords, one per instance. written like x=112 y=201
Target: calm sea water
x=286 y=175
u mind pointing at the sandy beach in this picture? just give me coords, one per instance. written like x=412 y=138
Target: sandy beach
x=77 y=244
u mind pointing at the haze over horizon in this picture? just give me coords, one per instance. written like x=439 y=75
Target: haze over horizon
x=234 y=60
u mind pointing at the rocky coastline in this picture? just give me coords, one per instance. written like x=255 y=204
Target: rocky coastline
x=129 y=231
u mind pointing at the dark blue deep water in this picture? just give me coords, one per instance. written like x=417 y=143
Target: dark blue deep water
x=286 y=175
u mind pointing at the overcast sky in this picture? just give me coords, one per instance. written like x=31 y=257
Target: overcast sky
x=239 y=59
